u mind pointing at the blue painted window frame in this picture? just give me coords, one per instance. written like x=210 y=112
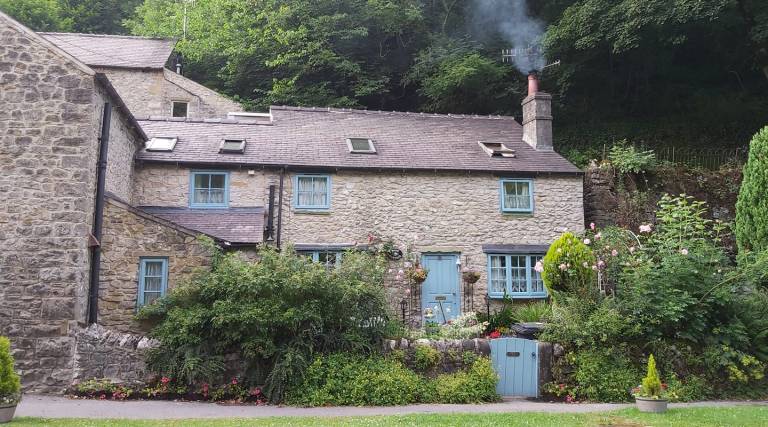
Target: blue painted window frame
x=143 y=261
x=321 y=207
x=193 y=204
x=502 y=197
x=534 y=286
x=315 y=256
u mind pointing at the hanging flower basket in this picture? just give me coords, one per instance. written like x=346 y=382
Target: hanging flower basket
x=416 y=274
x=470 y=277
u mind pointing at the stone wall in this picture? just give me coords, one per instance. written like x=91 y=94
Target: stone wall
x=129 y=235
x=453 y=353
x=428 y=212
x=151 y=93
x=122 y=147
x=102 y=353
x=48 y=153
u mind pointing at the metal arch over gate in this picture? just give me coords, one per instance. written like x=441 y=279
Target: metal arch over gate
x=517 y=362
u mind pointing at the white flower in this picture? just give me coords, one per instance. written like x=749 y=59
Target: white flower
x=614 y=253
x=585 y=264
x=684 y=251
x=399 y=272
x=539 y=267
x=645 y=228
x=631 y=249
x=598 y=236
x=587 y=241
x=559 y=250
x=407 y=264
x=563 y=267
x=594 y=267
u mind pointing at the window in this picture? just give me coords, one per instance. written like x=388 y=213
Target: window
x=153 y=279
x=312 y=192
x=515 y=276
x=330 y=259
x=180 y=109
x=360 y=145
x=209 y=190
x=517 y=195
x=232 y=146
x=497 y=149
x=163 y=143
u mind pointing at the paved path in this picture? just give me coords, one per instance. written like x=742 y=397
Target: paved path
x=63 y=407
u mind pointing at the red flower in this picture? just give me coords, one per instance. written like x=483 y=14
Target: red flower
x=165 y=380
x=562 y=386
x=663 y=386
x=234 y=381
x=494 y=334
x=102 y=397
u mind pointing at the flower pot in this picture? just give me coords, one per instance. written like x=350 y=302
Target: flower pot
x=656 y=406
x=6 y=413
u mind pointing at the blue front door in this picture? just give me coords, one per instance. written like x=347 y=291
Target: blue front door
x=440 y=291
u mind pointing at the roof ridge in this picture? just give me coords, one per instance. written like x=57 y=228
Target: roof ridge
x=392 y=113
x=114 y=36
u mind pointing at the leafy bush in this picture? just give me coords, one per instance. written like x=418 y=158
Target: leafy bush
x=276 y=314
x=10 y=385
x=604 y=375
x=463 y=327
x=476 y=385
x=651 y=385
x=628 y=159
x=539 y=311
x=568 y=267
x=751 y=209
x=425 y=357
x=689 y=389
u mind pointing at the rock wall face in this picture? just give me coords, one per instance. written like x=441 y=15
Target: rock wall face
x=151 y=93
x=48 y=152
x=102 y=353
x=123 y=144
x=128 y=236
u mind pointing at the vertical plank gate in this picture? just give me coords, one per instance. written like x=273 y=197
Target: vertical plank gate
x=517 y=362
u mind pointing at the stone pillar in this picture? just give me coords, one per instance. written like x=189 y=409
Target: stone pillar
x=537 y=121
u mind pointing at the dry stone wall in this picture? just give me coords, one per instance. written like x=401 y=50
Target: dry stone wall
x=103 y=353
x=128 y=236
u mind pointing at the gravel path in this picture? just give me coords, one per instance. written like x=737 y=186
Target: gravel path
x=62 y=407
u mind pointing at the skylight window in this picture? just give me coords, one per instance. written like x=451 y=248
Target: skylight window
x=162 y=143
x=361 y=145
x=497 y=149
x=232 y=146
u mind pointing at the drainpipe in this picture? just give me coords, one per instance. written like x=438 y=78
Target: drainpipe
x=98 y=217
x=269 y=233
x=280 y=208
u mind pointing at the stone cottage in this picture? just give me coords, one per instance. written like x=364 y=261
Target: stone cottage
x=100 y=220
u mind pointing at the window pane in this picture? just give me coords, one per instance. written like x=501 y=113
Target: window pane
x=153 y=284
x=498 y=272
x=517 y=272
x=517 y=195
x=180 y=109
x=304 y=184
x=217 y=181
x=149 y=297
x=329 y=259
x=201 y=181
x=537 y=284
x=153 y=268
x=312 y=191
x=216 y=196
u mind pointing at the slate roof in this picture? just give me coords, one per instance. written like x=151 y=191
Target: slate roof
x=233 y=225
x=99 y=50
x=316 y=138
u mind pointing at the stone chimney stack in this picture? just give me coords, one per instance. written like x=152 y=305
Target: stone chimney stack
x=537 y=116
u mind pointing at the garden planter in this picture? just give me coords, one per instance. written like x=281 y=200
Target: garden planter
x=656 y=406
x=6 y=413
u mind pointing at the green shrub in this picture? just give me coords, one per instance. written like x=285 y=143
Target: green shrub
x=276 y=314
x=476 y=385
x=568 y=267
x=751 y=208
x=10 y=385
x=603 y=375
x=425 y=357
x=651 y=385
x=689 y=389
x=628 y=159
x=343 y=379
x=539 y=311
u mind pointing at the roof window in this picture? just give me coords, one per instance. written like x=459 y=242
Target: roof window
x=497 y=149
x=361 y=145
x=161 y=143
x=232 y=145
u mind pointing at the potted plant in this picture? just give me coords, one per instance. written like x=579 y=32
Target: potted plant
x=650 y=395
x=10 y=386
x=416 y=274
x=470 y=276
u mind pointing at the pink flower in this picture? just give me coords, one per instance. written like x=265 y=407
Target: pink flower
x=165 y=380
x=569 y=399
x=234 y=381
x=645 y=228
x=563 y=267
x=407 y=291
x=539 y=267
x=684 y=251
x=598 y=236
x=601 y=264
x=591 y=225
x=614 y=253
x=587 y=241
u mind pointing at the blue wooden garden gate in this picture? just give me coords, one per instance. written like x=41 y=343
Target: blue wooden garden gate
x=517 y=362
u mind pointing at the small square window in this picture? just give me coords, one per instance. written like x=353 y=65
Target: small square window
x=497 y=149
x=209 y=190
x=180 y=109
x=162 y=143
x=312 y=192
x=517 y=195
x=232 y=146
x=361 y=145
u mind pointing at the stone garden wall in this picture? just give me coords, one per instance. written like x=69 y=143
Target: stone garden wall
x=104 y=353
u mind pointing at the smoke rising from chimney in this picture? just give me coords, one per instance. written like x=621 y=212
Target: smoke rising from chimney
x=511 y=20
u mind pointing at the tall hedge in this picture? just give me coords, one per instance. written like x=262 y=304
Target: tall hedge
x=752 y=205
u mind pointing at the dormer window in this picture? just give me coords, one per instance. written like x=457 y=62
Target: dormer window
x=232 y=146
x=180 y=109
x=497 y=149
x=361 y=145
x=162 y=143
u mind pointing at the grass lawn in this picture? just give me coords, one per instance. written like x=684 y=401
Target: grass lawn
x=699 y=417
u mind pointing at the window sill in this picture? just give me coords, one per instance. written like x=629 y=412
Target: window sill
x=517 y=214
x=519 y=296
x=311 y=211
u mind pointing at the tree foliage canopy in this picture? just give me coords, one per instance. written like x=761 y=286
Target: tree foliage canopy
x=752 y=204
